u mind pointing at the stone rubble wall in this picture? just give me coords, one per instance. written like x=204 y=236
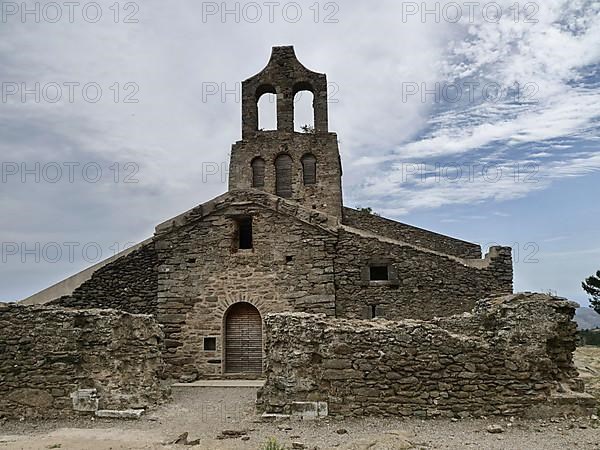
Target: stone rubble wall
x=512 y=355
x=128 y=284
x=407 y=233
x=47 y=354
x=423 y=284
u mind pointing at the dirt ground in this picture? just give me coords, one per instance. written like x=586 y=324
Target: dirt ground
x=205 y=412
x=587 y=360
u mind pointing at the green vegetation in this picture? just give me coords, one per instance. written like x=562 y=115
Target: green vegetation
x=308 y=129
x=591 y=285
x=272 y=444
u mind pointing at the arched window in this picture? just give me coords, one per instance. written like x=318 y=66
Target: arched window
x=309 y=169
x=258 y=173
x=283 y=176
x=304 y=114
x=266 y=101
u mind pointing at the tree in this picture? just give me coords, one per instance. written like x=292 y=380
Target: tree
x=591 y=285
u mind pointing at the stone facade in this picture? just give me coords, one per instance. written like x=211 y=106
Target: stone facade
x=201 y=274
x=127 y=284
x=510 y=356
x=422 y=284
x=325 y=195
x=47 y=354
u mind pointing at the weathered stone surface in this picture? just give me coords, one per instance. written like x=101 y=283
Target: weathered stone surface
x=126 y=414
x=35 y=398
x=201 y=275
x=407 y=233
x=511 y=356
x=85 y=400
x=47 y=354
x=309 y=410
x=423 y=283
x=127 y=284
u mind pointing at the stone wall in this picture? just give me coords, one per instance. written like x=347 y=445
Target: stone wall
x=127 y=284
x=407 y=233
x=325 y=195
x=202 y=274
x=422 y=285
x=511 y=356
x=47 y=353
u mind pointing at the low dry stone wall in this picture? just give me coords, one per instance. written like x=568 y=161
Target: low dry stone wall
x=47 y=354
x=511 y=356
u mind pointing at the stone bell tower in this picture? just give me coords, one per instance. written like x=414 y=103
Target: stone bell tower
x=304 y=167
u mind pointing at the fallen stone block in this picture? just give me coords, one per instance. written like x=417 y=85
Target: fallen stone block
x=127 y=414
x=85 y=400
x=309 y=410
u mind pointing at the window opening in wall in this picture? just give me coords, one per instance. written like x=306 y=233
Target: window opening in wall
x=304 y=114
x=267 y=111
x=379 y=273
x=244 y=233
x=210 y=344
x=373 y=311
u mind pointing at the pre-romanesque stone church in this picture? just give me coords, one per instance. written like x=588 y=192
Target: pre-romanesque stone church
x=280 y=239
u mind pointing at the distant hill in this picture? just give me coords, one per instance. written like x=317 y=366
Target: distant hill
x=587 y=318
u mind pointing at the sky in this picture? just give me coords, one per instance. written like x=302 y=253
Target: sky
x=477 y=120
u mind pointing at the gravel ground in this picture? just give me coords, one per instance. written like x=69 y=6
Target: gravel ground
x=205 y=412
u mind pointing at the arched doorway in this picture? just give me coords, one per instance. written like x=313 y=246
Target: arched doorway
x=243 y=339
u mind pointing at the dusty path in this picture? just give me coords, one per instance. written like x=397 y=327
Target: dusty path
x=205 y=412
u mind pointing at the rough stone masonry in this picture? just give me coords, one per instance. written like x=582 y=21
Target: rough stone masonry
x=510 y=356
x=48 y=355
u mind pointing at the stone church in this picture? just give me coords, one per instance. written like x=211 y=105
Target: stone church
x=280 y=239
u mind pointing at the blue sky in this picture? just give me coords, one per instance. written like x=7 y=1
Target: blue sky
x=544 y=120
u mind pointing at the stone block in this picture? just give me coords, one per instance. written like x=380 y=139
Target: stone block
x=126 y=414
x=85 y=400
x=309 y=410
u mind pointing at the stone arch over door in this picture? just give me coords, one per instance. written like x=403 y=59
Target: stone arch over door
x=242 y=338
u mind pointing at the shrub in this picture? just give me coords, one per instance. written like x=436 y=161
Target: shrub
x=272 y=444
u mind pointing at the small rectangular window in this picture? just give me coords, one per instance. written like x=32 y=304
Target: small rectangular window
x=210 y=344
x=373 y=311
x=379 y=273
x=244 y=233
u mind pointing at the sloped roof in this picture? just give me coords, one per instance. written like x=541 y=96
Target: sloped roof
x=244 y=197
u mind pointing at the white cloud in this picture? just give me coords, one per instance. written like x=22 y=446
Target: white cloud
x=552 y=59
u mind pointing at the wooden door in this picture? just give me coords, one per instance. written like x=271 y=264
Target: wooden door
x=243 y=340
